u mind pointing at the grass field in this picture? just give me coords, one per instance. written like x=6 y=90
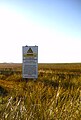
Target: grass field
x=55 y=95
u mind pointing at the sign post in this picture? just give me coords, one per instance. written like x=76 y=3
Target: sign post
x=30 y=62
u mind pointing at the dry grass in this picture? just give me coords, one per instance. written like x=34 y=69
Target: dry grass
x=55 y=95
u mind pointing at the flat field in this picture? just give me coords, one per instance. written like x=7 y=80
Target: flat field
x=55 y=95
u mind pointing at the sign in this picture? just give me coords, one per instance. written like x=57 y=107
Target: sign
x=30 y=61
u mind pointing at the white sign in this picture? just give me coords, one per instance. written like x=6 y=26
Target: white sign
x=30 y=61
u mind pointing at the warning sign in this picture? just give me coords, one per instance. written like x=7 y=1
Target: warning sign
x=30 y=61
x=30 y=51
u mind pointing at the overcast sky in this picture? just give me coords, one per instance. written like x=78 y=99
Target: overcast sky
x=53 y=25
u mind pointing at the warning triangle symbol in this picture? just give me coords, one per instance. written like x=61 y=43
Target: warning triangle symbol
x=30 y=51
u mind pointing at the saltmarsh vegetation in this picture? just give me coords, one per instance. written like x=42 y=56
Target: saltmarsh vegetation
x=55 y=95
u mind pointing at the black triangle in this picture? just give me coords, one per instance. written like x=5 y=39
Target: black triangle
x=30 y=51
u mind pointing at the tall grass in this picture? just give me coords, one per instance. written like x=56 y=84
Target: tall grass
x=55 y=95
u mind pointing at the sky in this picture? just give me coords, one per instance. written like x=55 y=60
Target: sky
x=53 y=25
